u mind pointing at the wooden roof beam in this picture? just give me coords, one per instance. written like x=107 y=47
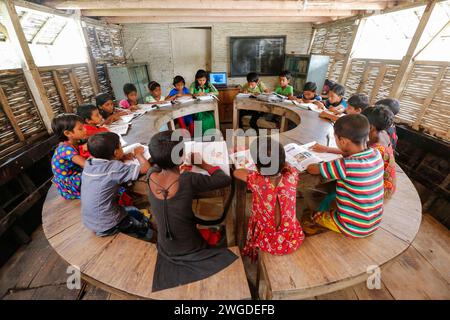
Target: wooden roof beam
x=199 y=19
x=216 y=13
x=220 y=4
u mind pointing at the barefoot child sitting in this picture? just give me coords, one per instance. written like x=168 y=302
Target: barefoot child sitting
x=67 y=163
x=102 y=177
x=273 y=226
x=358 y=206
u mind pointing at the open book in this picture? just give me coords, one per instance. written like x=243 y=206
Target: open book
x=300 y=156
x=271 y=97
x=131 y=147
x=184 y=99
x=120 y=129
x=208 y=97
x=214 y=153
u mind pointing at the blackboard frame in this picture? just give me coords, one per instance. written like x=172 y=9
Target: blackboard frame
x=232 y=39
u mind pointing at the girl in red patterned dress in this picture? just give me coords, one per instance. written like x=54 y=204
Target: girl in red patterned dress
x=273 y=226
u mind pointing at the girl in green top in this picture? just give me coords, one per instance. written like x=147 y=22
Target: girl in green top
x=284 y=88
x=155 y=96
x=200 y=87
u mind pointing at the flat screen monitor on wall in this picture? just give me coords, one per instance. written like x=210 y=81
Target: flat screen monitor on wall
x=264 y=55
x=218 y=79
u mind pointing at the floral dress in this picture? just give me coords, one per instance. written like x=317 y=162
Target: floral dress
x=66 y=174
x=387 y=153
x=262 y=232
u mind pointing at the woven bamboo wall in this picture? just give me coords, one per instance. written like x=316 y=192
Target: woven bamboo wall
x=372 y=77
x=334 y=40
x=425 y=98
x=19 y=116
x=106 y=47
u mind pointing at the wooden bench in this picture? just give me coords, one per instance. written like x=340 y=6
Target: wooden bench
x=124 y=265
x=329 y=261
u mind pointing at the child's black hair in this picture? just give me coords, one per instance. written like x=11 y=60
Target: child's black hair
x=102 y=145
x=266 y=147
x=201 y=74
x=129 y=88
x=64 y=122
x=252 y=77
x=310 y=86
x=393 y=104
x=153 y=85
x=354 y=127
x=339 y=89
x=102 y=98
x=178 y=79
x=286 y=74
x=160 y=147
x=85 y=111
x=380 y=116
x=359 y=101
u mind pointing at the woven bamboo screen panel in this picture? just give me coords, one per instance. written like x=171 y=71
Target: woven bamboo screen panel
x=19 y=116
x=334 y=40
x=103 y=79
x=84 y=82
x=53 y=95
x=105 y=42
x=424 y=100
x=372 y=77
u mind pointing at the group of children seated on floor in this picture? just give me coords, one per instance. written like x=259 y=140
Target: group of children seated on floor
x=89 y=164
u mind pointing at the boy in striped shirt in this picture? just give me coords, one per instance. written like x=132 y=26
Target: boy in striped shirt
x=359 y=181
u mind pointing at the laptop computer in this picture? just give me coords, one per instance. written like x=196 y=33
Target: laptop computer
x=218 y=79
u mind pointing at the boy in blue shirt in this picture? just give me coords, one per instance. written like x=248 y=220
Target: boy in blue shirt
x=309 y=93
x=336 y=102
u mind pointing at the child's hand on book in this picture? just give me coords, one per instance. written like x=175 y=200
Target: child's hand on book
x=319 y=148
x=139 y=151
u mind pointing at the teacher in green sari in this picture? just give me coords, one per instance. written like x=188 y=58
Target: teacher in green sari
x=200 y=87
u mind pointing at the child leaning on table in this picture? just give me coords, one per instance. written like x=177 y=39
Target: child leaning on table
x=358 y=207
x=273 y=226
x=105 y=105
x=102 y=177
x=131 y=101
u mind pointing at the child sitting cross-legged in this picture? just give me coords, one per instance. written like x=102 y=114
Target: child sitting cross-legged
x=67 y=163
x=358 y=206
x=273 y=226
x=102 y=177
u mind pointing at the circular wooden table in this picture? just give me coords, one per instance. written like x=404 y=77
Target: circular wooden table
x=325 y=262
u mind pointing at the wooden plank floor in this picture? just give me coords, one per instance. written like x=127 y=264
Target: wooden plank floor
x=422 y=272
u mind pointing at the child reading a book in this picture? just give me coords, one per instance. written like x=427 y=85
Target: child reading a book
x=131 y=101
x=183 y=255
x=200 y=87
x=180 y=90
x=67 y=163
x=92 y=121
x=358 y=207
x=394 y=106
x=273 y=226
x=356 y=104
x=309 y=93
x=102 y=177
x=381 y=118
x=254 y=85
x=335 y=102
x=106 y=108
x=283 y=87
x=155 y=95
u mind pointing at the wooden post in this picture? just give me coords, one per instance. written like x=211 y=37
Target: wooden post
x=359 y=25
x=378 y=82
x=30 y=70
x=76 y=86
x=407 y=61
x=90 y=62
